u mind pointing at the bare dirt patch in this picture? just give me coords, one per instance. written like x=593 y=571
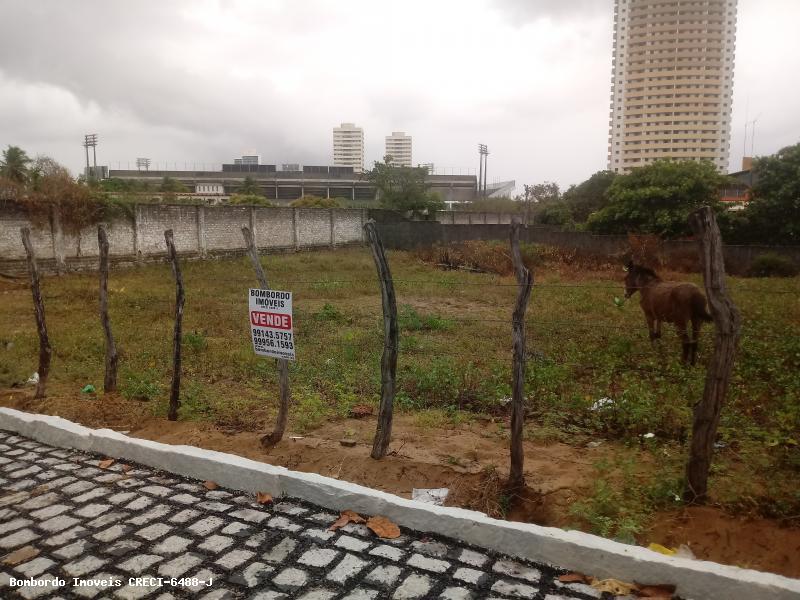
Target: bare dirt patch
x=468 y=459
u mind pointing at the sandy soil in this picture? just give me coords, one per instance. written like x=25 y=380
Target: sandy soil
x=468 y=459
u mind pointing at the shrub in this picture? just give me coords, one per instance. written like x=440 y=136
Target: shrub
x=773 y=265
x=315 y=202
x=250 y=199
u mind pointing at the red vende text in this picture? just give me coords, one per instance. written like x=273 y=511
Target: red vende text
x=267 y=319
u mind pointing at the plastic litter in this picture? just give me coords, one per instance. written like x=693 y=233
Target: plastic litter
x=88 y=389
x=33 y=379
x=601 y=403
x=618 y=302
x=648 y=436
x=435 y=496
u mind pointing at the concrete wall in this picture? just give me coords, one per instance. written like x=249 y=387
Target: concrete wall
x=460 y=217
x=198 y=231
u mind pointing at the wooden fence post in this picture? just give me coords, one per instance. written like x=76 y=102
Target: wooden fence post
x=516 y=479
x=727 y=324
x=276 y=436
x=175 y=390
x=383 y=434
x=38 y=306
x=110 y=379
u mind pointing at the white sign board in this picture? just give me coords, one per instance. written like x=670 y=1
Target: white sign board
x=271 y=323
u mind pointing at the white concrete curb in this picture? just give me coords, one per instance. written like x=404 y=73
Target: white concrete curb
x=582 y=552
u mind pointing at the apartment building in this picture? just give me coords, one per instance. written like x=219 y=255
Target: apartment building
x=398 y=146
x=348 y=147
x=672 y=82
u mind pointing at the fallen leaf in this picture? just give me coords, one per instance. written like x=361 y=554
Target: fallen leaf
x=345 y=517
x=383 y=527
x=263 y=498
x=210 y=485
x=661 y=549
x=613 y=586
x=572 y=578
x=662 y=592
x=104 y=464
x=20 y=556
x=360 y=410
x=39 y=489
x=126 y=468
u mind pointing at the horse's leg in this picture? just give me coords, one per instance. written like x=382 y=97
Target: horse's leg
x=658 y=329
x=681 y=327
x=650 y=326
x=695 y=337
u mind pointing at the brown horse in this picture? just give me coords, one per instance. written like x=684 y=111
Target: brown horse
x=671 y=301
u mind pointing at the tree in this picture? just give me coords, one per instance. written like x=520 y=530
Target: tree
x=657 y=198
x=170 y=185
x=538 y=195
x=315 y=202
x=250 y=187
x=588 y=196
x=773 y=214
x=403 y=188
x=14 y=165
x=250 y=200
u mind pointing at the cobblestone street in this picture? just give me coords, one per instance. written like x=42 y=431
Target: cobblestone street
x=62 y=517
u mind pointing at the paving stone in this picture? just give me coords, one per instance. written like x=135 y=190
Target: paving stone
x=219 y=594
x=234 y=558
x=514 y=588
x=348 y=567
x=280 y=551
x=431 y=548
x=218 y=495
x=156 y=512
x=47 y=512
x=253 y=575
x=185 y=499
x=268 y=595
x=289 y=509
x=91 y=495
x=154 y=531
x=180 y=565
x=413 y=586
x=206 y=525
x=35 y=567
x=472 y=576
x=214 y=506
x=112 y=533
x=361 y=593
x=134 y=592
x=137 y=564
x=389 y=552
x=383 y=575
x=172 y=545
x=123 y=547
x=95 y=585
x=59 y=523
x=46 y=586
x=470 y=557
x=428 y=564
x=18 y=523
x=250 y=515
x=323 y=517
x=184 y=516
x=66 y=536
x=92 y=510
x=107 y=519
x=581 y=588
x=318 y=557
x=350 y=543
x=238 y=529
x=290 y=579
x=518 y=570
x=83 y=566
x=18 y=538
x=140 y=503
x=122 y=497
x=456 y=593
x=39 y=501
x=156 y=490
x=216 y=543
x=74 y=549
x=283 y=524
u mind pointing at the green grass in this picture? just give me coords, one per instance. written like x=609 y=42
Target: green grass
x=455 y=356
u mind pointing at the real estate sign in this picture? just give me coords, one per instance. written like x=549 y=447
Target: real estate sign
x=271 y=323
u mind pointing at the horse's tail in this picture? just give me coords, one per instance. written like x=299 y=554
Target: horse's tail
x=699 y=308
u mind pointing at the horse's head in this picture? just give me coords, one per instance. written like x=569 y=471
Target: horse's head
x=636 y=277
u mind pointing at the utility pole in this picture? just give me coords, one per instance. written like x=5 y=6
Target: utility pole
x=90 y=139
x=483 y=151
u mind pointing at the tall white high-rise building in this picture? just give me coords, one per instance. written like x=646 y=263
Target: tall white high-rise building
x=348 y=146
x=398 y=146
x=672 y=83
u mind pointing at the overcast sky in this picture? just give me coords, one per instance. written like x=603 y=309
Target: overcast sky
x=204 y=81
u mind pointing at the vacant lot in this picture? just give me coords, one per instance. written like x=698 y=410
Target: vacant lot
x=587 y=466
